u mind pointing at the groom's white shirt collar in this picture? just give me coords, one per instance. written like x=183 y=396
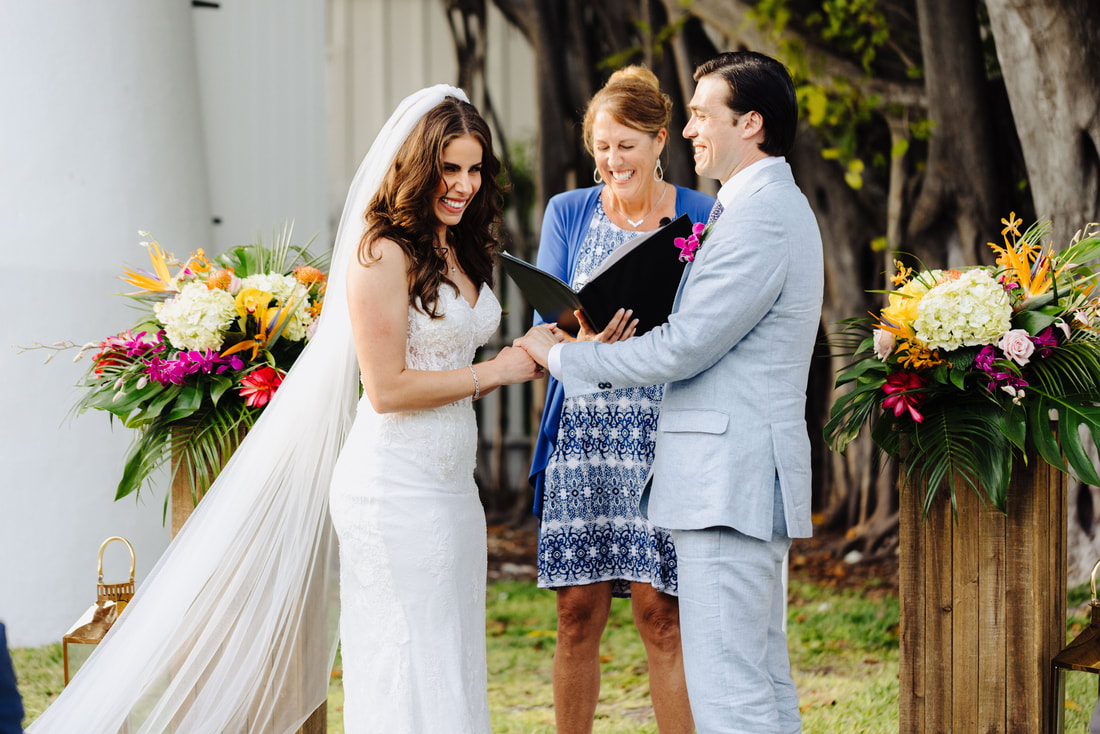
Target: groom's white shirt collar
x=729 y=191
x=744 y=178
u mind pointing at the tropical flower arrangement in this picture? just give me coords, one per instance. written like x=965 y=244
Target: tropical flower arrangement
x=211 y=348
x=965 y=369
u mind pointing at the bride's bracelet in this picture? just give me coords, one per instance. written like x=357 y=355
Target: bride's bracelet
x=477 y=383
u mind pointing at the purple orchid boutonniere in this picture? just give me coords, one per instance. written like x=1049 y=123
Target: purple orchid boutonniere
x=688 y=245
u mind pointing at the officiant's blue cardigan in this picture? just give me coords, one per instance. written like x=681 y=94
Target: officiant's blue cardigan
x=566 y=222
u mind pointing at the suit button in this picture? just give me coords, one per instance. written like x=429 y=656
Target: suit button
x=605 y=385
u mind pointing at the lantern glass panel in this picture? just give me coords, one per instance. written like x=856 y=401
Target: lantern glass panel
x=76 y=654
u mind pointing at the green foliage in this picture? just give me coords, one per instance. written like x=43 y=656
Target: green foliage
x=854 y=30
x=857 y=27
x=959 y=442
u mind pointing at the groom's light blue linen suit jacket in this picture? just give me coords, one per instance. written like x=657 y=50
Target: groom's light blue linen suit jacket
x=736 y=355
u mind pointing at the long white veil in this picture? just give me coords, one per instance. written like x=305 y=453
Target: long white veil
x=235 y=628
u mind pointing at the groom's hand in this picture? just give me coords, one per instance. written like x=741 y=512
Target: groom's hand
x=538 y=340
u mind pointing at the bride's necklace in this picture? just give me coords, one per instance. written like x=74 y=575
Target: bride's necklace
x=443 y=254
x=635 y=222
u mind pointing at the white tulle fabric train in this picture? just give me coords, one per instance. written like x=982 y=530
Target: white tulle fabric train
x=234 y=629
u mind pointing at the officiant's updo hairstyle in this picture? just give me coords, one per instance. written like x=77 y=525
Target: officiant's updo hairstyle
x=633 y=97
x=403 y=208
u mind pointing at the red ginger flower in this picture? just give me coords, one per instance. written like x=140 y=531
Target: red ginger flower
x=259 y=385
x=899 y=397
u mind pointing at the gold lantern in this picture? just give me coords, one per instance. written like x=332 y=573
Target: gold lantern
x=89 y=630
x=1082 y=654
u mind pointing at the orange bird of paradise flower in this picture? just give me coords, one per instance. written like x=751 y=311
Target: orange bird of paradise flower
x=1025 y=263
x=161 y=282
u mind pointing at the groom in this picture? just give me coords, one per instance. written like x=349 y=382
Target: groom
x=731 y=477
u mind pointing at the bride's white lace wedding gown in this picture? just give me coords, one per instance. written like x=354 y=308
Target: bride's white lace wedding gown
x=412 y=547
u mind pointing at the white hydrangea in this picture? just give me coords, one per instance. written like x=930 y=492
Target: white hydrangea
x=283 y=287
x=972 y=310
x=197 y=317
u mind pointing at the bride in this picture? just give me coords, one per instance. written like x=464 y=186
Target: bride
x=404 y=502
x=233 y=629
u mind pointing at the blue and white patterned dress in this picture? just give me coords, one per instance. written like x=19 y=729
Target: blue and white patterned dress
x=591 y=528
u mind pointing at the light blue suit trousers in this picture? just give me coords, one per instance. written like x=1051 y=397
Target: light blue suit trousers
x=740 y=680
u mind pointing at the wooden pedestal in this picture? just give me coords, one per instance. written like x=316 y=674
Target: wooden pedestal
x=983 y=607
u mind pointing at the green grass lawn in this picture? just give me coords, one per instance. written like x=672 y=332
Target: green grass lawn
x=844 y=654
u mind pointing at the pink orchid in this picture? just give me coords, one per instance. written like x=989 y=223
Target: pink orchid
x=691 y=243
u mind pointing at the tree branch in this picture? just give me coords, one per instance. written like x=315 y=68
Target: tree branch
x=732 y=18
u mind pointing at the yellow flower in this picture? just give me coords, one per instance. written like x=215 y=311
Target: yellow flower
x=915 y=356
x=1012 y=224
x=253 y=302
x=198 y=262
x=903 y=273
x=903 y=304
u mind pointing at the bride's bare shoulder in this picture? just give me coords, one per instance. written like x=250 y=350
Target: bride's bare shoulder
x=381 y=263
x=381 y=250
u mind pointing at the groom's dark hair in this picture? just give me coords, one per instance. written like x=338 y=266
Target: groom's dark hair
x=758 y=82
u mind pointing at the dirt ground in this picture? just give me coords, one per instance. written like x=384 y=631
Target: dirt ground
x=512 y=556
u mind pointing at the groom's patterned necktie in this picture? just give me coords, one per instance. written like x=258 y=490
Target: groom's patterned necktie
x=715 y=212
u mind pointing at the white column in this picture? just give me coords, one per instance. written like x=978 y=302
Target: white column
x=261 y=71
x=99 y=137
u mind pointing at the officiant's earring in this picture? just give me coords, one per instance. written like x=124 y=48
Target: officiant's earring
x=596 y=175
x=658 y=172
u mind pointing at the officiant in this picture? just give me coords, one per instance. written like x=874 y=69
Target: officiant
x=594 y=452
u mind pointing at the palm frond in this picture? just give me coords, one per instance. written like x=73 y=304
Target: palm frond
x=280 y=246
x=959 y=443
x=199 y=443
x=1072 y=368
x=852 y=338
x=852 y=410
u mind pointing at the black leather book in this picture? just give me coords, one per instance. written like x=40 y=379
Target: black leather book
x=642 y=274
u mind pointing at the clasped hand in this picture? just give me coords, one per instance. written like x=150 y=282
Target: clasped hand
x=539 y=339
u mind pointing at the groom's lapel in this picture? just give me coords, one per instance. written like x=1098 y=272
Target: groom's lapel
x=771 y=174
x=680 y=289
x=687 y=272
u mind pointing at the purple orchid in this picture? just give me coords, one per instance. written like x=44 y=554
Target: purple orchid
x=984 y=359
x=1045 y=341
x=200 y=361
x=233 y=362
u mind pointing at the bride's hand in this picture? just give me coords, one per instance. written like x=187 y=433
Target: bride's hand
x=516 y=366
x=620 y=328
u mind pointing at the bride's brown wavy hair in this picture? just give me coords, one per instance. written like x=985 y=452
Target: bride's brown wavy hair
x=403 y=209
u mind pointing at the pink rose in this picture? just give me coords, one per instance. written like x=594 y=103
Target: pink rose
x=1017 y=346
x=884 y=343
